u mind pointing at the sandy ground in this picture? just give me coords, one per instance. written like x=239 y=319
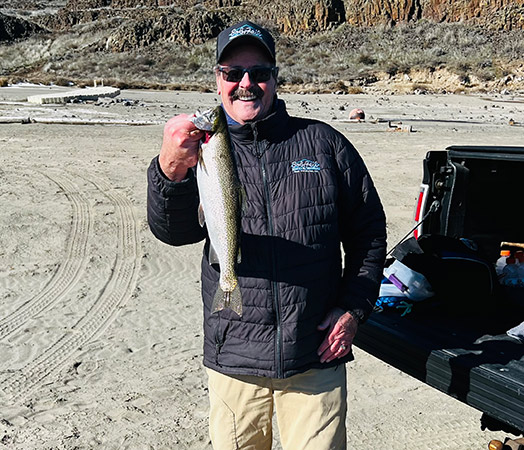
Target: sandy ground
x=100 y=323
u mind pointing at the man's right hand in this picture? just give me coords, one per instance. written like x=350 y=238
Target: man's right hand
x=180 y=146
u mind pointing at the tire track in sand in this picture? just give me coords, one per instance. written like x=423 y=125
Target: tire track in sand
x=117 y=290
x=69 y=272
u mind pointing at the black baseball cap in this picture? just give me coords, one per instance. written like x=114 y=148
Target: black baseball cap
x=244 y=31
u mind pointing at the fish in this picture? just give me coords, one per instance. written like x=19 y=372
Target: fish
x=220 y=205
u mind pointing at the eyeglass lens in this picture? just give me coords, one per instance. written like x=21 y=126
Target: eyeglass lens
x=257 y=74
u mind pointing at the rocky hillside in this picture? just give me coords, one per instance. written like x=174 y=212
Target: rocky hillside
x=352 y=42
x=293 y=16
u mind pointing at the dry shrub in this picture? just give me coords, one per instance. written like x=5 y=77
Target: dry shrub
x=4 y=82
x=419 y=88
x=339 y=86
x=355 y=90
x=85 y=83
x=366 y=59
x=485 y=74
x=61 y=81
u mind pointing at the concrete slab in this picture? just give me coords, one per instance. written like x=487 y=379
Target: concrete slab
x=77 y=94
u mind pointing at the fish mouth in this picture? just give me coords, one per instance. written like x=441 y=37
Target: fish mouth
x=204 y=120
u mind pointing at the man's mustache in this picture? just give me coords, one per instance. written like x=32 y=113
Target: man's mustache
x=241 y=92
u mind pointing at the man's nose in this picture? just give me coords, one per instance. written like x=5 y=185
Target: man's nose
x=246 y=82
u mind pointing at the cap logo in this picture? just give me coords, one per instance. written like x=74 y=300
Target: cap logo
x=243 y=31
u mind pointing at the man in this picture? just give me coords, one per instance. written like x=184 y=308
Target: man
x=306 y=192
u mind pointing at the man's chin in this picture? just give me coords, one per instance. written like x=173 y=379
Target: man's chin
x=247 y=111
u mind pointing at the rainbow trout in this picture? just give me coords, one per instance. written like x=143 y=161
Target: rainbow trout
x=219 y=191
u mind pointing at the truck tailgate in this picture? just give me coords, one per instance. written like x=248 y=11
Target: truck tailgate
x=486 y=371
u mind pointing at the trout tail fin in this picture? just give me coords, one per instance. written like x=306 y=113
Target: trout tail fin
x=227 y=300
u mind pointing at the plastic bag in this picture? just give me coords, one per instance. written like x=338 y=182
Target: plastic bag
x=409 y=283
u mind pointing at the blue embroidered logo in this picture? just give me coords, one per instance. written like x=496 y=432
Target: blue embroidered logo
x=243 y=30
x=305 y=165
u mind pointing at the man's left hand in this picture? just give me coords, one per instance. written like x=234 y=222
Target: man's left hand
x=341 y=328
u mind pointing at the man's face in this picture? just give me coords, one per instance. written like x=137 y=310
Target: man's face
x=246 y=100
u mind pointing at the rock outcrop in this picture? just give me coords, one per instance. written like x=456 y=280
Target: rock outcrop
x=382 y=12
x=12 y=28
x=194 y=28
x=495 y=14
x=295 y=16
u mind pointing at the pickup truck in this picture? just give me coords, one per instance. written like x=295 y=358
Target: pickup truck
x=476 y=193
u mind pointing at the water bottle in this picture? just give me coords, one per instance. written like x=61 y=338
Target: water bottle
x=510 y=275
x=501 y=262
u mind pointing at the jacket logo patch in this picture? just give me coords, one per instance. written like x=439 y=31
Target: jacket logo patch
x=305 y=165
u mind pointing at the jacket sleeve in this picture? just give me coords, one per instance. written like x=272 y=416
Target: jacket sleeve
x=363 y=234
x=172 y=207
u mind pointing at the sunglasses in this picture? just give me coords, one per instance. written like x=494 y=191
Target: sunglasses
x=257 y=74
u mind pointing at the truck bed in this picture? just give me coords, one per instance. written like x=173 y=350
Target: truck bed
x=466 y=356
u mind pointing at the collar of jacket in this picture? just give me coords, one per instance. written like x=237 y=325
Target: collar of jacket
x=269 y=128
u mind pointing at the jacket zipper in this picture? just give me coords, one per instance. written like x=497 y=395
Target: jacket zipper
x=274 y=286
x=219 y=341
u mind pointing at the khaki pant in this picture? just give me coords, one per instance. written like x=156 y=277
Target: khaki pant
x=310 y=408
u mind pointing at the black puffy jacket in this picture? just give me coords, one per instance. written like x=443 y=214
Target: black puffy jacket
x=307 y=191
